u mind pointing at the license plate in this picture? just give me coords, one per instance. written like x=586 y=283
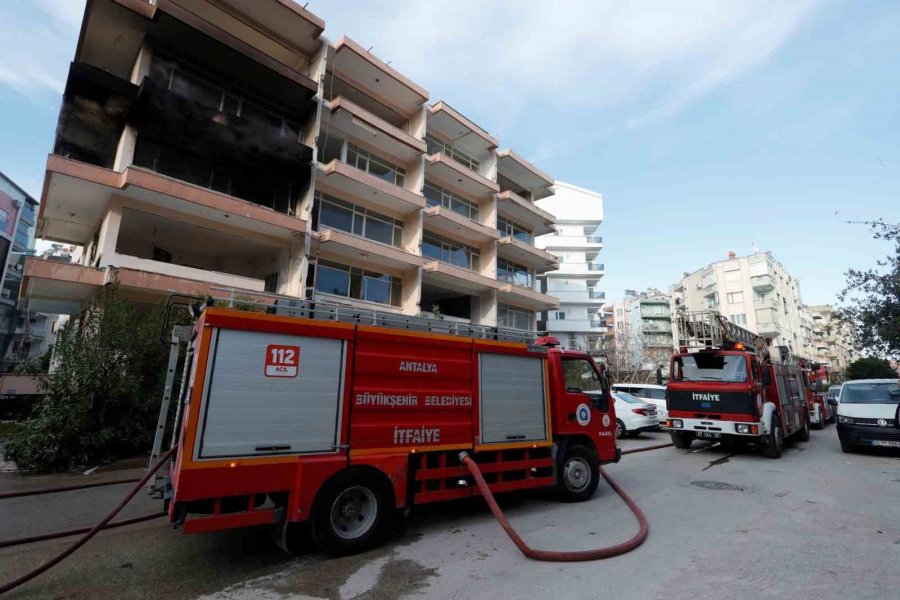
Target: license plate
x=709 y=434
x=886 y=444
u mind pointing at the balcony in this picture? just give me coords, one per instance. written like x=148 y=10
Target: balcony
x=444 y=170
x=526 y=297
x=522 y=177
x=590 y=297
x=768 y=329
x=517 y=208
x=526 y=254
x=576 y=326
x=358 y=123
x=361 y=69
x=76 y=196
x=765 y=303
x=344 y=247
x=596 y=295
x=446 y=222
x=579 y=269
x=449 y=124
x=64 y=288
x=763 y=283
x=452 y=277
x=572 y=242
x=351 y=183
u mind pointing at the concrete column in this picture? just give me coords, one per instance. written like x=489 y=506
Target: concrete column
x=109 y=233
x=485 y=309
x=411 y=292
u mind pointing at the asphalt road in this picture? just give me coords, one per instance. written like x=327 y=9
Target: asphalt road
x=817 y=523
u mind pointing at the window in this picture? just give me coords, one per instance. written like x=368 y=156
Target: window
x=356 y=283
x=708 y=279
x=736 y=298
x=711 y=367
x=449 y=251
x=271 y=283
x=435 y=146
x=336 y=214
x=559 y=315
x=374 y=165
x=514 y=317
x=511 y=272
x=733 y=275
x=739 y=319
x=712 y=301
x=514 y=230
x=580 y=375
x=435 y=195
x=4 y=217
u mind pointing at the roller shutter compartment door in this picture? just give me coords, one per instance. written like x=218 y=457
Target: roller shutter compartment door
x=253 y=409
x=512 y=403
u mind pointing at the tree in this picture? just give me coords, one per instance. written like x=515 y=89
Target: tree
x=874 y=297
x=102 y=400
x=871 y=368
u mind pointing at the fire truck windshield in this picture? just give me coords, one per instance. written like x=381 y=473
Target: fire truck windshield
x=729 y=368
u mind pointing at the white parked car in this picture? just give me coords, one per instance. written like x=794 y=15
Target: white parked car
x=868 y=414
x=633 y=415
x=648 y=392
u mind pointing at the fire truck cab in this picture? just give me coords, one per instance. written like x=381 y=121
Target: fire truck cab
x=724 y=386
x=336 y=417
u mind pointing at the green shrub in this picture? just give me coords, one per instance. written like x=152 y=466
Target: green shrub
x=102 y=401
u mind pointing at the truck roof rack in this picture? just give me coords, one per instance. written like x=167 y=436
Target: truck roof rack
x=289 y=306
x=707 y=329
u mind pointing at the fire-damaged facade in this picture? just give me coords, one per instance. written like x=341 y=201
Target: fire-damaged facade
x=213 y=144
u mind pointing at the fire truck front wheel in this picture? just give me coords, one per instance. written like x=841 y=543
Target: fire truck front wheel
x=352 y=512
x=682 y=439
x=775 y=440
x=579 y=475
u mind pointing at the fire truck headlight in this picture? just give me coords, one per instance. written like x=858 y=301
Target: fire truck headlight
x=742 y=428
x=675 y=424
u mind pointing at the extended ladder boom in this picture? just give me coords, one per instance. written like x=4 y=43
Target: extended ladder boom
x=709 y=329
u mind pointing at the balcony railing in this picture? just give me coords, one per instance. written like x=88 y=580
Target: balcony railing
x=596 y=295
x=595 y=267
x=595 y=239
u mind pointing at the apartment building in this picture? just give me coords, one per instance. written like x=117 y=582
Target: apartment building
x=23 y=334
x=579 y=321
x=753 y=291
x=228 y=144
x=642 y=329
x=833 y=339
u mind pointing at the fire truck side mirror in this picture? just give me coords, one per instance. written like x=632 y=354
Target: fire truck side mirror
x=766 y=377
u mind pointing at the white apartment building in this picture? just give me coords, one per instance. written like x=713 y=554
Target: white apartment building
x=642 y=334
x=240 y=148
x=753 y=291
x=574 y=241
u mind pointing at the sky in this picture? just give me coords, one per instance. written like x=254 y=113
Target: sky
x=708 y=126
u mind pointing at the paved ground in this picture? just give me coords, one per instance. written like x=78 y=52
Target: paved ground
x=817 y=523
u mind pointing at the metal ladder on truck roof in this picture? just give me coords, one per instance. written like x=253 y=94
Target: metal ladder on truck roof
x=707 y=329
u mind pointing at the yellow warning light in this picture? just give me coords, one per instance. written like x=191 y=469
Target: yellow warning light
x=232 y=464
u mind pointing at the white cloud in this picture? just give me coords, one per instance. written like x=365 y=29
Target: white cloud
x=644 y=61
x=37 y=44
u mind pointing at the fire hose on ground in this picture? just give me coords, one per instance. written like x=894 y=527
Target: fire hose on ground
x=107 y=523
x=93 y=531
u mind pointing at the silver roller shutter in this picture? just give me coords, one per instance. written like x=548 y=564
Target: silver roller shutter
x=512 y=403
x=246 y=413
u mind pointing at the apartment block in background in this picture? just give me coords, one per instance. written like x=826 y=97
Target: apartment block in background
x=833 y=340
x=753 y=291
x=23 y=334
x=205 y=145
x=580 y=321
x=642 y=329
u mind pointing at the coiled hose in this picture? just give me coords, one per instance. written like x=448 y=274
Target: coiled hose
x=6 y=587
x=556 y=556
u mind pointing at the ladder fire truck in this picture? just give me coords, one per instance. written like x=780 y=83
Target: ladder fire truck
x=725 y=385
x=298 y=412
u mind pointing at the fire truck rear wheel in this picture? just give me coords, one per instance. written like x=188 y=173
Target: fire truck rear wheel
x=352 y=512
x=803 y=434
x=579 y=474
x=774 y=441
x=682 y=439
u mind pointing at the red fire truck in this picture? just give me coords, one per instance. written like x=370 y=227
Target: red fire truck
x=725 y=386
x=820 y=412
x=336 y=417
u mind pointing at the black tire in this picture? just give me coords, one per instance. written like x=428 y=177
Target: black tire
x=847 y=447
x=352 y=512
x=682 y=439
x=803 y=433
x=620 y=429
x=578 y=474
x=821 y=424
x=775 y=440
